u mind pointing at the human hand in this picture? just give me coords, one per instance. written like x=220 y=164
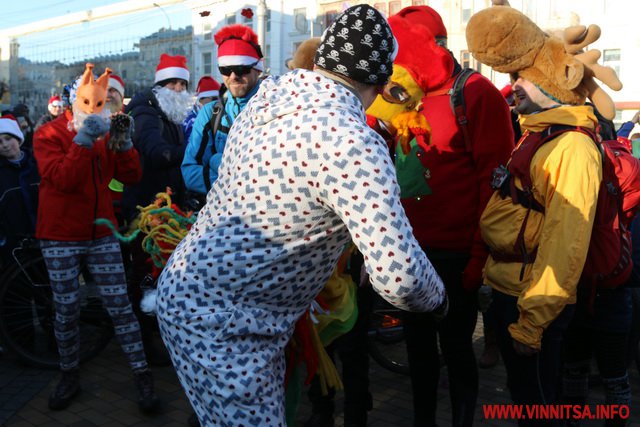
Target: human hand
x=523 y=349
x=93 y=128
x=636 y=117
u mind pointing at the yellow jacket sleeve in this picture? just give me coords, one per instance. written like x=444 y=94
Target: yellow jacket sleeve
x=566 y=174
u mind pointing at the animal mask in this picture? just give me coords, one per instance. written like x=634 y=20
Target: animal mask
x=413 y=76
x=91 y=94
x=509 y=42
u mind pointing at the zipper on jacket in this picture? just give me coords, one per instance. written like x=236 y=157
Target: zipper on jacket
x=96 y=165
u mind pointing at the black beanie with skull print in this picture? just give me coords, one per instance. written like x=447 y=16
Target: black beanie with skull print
x=359 y=45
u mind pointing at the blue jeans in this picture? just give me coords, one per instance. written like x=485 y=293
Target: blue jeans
x=532 y=380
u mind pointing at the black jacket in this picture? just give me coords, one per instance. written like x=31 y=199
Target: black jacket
x=161 y=145
x=18 y=201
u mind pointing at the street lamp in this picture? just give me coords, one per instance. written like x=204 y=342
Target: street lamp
x=165 y=13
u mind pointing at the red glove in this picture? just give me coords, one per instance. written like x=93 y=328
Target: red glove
x=472 y=275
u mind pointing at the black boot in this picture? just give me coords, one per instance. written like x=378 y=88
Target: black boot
x=68 y=387
x=147 y=399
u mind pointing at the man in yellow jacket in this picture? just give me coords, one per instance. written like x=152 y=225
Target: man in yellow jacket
x=538 y=249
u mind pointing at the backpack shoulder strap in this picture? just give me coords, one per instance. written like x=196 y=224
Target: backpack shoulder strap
x=216 y=118
x=520 y=164
x=458 y=105
x=210 y=129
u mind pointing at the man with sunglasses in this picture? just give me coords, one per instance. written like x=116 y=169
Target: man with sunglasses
x=240 y=64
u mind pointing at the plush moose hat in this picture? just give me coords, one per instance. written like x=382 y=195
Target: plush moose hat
x=509 y=42
x=304 y=54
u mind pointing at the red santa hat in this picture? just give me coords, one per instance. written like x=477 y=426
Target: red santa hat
x=238 y=45
x=172 y=67
x=9 y=125
x=117 y=83
x=56 y=101
x=207 y=87
x=427 y=16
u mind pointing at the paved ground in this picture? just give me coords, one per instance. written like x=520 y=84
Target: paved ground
x=109 y=397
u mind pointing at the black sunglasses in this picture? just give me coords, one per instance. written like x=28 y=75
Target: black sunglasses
x=239 y=70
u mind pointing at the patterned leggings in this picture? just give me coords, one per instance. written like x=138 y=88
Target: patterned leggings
x=104 y=261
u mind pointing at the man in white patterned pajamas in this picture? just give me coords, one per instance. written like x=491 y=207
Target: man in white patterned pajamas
x=301 y=175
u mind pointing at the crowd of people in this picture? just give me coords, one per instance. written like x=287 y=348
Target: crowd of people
x=453 y=206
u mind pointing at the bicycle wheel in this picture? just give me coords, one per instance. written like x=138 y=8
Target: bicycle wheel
x=386 y=337
x=27 y=314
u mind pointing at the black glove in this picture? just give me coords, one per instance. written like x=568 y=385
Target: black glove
x=120 y=132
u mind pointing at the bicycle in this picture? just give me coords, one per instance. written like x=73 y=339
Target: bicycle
x=386 y=337
x=27 y=311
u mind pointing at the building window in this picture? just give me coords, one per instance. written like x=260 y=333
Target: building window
x=268 y=20
x=207 y=64
x=329 y=17
x=611 y=58
x=465 y=59
x=206 y=31
x=382 y=8
x=466 y=10
x=394 y=7
x=230 y=18
x=267 y=58
x=300 y=20
x=417 y=3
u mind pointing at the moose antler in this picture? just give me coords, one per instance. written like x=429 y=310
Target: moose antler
x=578 y=37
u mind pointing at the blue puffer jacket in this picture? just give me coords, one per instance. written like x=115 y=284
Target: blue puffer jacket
x=161 y=145
x=192 y=170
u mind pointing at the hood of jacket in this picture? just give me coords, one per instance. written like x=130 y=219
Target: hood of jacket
x=578 y=115
x=298 y=91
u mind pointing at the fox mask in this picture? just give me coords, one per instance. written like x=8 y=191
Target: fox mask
x=91 y=94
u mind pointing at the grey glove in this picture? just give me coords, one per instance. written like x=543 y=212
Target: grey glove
x=485 y=296
x=93 y=128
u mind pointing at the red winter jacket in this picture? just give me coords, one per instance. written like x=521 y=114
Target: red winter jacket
x=74 y=190
x=460 y=180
